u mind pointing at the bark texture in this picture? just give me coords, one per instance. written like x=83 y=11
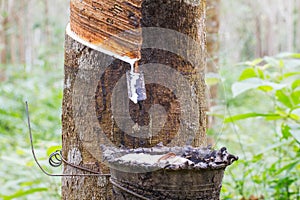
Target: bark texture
x=94 y=84
x=75 y=139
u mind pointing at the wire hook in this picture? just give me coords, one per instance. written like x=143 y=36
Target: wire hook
x=56 y=158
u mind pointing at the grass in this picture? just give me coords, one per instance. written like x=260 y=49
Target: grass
x=269 y=153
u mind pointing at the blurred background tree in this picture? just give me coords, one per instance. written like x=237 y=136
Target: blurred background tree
x=213 y=45
x=30 y=29
x=257 y=28
x=31 y=68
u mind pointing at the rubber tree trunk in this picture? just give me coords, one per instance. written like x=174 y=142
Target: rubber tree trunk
x=96 y=109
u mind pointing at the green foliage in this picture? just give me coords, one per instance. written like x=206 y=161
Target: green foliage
x=269 y=118
x=41 y=86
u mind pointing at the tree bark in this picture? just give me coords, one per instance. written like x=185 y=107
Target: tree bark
x=95 y=89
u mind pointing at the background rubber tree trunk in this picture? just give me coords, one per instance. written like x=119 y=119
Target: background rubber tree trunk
x=212 y=25
x=92 y=89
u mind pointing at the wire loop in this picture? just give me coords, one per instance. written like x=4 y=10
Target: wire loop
x=55 y=158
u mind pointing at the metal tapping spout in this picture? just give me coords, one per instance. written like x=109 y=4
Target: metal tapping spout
x=136 y=84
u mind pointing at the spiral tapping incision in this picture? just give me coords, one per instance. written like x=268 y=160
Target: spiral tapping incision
x=113 y=25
